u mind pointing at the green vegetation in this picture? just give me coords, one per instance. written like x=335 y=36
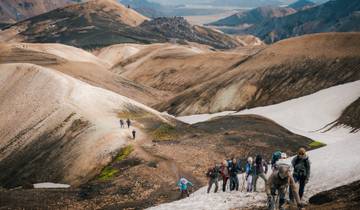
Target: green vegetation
x=164 y=132
x=109 y=171
x=134 y=115
x=124 y=153
x=316 y=144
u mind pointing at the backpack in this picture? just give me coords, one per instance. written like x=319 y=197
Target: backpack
x=300 y=167
x=258 y=159
x=275 y=157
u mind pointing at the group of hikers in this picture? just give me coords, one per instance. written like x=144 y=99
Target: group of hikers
x=128 y=123
x=284 y=176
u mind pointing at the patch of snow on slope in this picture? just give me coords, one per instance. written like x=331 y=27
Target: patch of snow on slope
x=50 y=185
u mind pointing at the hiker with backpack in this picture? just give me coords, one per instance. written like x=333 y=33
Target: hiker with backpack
x=249 y=170
x=213 y=175
x=133 y=134
x=224 y=171
x=278 y=183
x=183 y=185
x=260 y=169
x=301 y=164
x=128 y=122
x=233 y=170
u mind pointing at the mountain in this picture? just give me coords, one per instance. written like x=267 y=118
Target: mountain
x=272 y=75
x=100 y=23
x=12 y=11
x=146 y=8
x=335 y=15
x=179 y=28
x=254 y=16
x=302 y=4
x=245 y=3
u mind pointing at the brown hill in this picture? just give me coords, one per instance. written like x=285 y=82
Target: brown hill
x=282 y=71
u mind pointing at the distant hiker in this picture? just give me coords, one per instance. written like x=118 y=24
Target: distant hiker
x=183 y=186
x=260 y=169
x=233 y=170
x=224 y=171
x=301 y=164
x=128 y=122
x=213 y=175
x=278 y=182
x=249 y=170
x=282 y=160
x=121 y=124
x=133 y=134
x=275 y=157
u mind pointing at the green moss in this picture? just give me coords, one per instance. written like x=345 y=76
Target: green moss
x=108 y=173
x=316 y=144
x=164 y=132
x=134 y=115
x=124 y=153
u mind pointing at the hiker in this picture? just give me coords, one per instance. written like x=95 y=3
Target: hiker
x=249 y=170
x=260 y=169
x=183 y=186
x=213 y=174
x=233 y=171
x=301 y=164
x=275 y=157
x=224 y=171
x=133 y=134
x=128 y=122
x=282 y=160
x=278 y=183
x=121 y=124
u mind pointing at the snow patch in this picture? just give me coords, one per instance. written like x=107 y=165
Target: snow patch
x=50 y=185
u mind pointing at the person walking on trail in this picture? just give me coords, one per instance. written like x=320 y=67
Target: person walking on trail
x=213 y=175
x=249 y=170
x=301 y=164
x=183 y=185
x=128 y=122
x=278 y=183
x=133 y=134
x=233 y=170
x=224 y=171
x=260 y=169
x=121 y=123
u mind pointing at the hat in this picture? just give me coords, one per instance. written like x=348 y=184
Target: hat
x=283 y=155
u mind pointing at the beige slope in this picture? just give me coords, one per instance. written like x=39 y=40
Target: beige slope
x=175 y=68
x=68 y=130
x=79 y=64
x=288 y=69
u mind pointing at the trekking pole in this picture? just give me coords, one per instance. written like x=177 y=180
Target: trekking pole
x=277 y=206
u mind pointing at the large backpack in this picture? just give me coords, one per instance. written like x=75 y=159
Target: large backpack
x=300 y=167
x=275 y=157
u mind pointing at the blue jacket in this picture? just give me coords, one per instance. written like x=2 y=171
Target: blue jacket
x=183 y=184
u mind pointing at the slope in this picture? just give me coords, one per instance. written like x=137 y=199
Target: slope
x=342 y=146
x=331 y=16
x=275 y=74
x=79 y=64
x=63 y=134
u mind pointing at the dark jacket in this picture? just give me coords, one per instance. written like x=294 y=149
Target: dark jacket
x=213 y=173
x=234 y=168
x=259 y=168
x=301 y=167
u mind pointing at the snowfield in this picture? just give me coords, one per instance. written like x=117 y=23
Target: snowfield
x=334 y=165
x=49 y=185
